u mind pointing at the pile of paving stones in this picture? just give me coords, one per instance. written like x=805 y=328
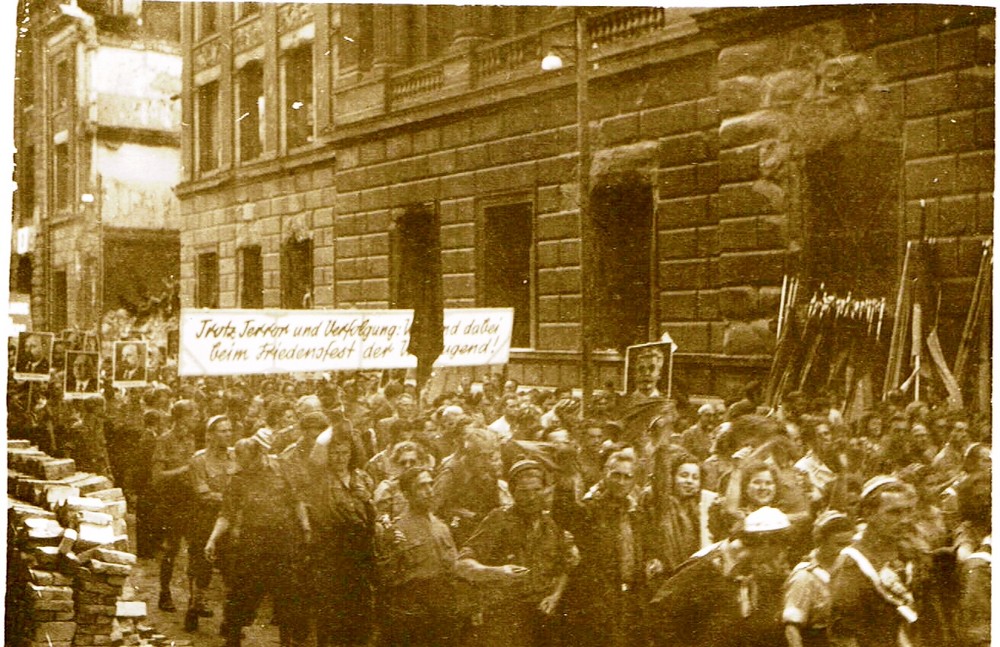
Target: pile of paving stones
x=68 y=558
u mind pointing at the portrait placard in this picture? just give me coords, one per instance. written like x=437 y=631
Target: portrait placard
x=128 y=364
x=83 y=375
x=34 y=356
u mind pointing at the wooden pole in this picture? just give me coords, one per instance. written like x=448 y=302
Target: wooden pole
x=585 y=224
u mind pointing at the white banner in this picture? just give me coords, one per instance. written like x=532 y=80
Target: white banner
x=248 y=342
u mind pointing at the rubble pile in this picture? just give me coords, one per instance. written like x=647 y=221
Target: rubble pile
x=68 y=558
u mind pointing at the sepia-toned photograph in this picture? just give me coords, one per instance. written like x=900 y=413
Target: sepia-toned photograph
x=451 y=325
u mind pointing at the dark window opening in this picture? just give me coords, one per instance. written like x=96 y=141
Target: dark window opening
x=622 y=223
x=298 y=96
x=64 y=177
x=207 y=288
x=63 y=85
x=851 y=219
x=244 y=9
x=60 y=316
x=416 y=278
x=250 y=110
x=207 y=19
x=251 y=277
x=208 y=130
x=507 y=242
x=297 y=274
x=357 y=36
x=507 y=21
x=24 y=274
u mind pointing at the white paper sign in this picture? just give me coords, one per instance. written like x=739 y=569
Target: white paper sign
x=248 y=342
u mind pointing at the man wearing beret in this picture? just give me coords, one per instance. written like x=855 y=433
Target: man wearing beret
x=524 y=537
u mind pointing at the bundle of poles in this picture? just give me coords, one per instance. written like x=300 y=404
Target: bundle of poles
x=826 y=345
x=839 y=345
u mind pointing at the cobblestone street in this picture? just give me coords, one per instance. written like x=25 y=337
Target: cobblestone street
x=145 y=580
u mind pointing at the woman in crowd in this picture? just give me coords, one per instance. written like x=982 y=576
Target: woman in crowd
x=342 y=516
x=675 y=512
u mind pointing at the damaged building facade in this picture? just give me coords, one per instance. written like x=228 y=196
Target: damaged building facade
x=373 y=156
x=97 y=133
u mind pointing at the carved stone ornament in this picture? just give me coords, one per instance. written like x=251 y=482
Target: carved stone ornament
x=206 y=55
x=297 y=228
x=292 y=15
x=248 y=36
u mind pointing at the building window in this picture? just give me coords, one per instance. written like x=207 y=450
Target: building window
x=251 y=277
x=622 y=222
x=64 y=177
x=208 y=127
x=59 y=314
x=63 y=84
x=251 y=110
x=852 y=191
x=207 y=19
x=245 y=9
x=296 y=274
x=357 y=36
x=507 y=270
x=507 y=21
x=207 y=288
x=415 y=276
x=298 y=96
x=24 y=274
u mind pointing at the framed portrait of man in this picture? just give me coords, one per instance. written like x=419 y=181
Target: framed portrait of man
x=647 y=370
x=83 y=375
x=129 y=366
x=34 y=356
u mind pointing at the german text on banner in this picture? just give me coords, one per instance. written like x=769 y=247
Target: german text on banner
x=248 y=342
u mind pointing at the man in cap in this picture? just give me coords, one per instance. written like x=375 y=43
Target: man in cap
x=468 y=486
x=284 y=438
x=263 y=516
x=806 y=611
x=527 y=539
x=728 y=593
x=871 y=604
x=697 y=438
x=172 y=486
x=602 y=601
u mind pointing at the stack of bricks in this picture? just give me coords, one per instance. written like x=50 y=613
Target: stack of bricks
x=40 y=596
x=99 y=582
x=68 y=559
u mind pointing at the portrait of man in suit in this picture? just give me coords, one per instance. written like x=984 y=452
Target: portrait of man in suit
x=34 y=353
x=130 y=361
x=81 y=372
x=645 y=370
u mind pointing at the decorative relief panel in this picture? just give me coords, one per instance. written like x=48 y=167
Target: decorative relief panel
x=206 y=55
x=292 y=15
x=248 y=35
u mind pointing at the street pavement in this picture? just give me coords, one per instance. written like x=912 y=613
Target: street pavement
x=145 y=582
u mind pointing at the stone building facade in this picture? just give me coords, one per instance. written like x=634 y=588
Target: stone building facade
x=331 y=146
x=97 y=133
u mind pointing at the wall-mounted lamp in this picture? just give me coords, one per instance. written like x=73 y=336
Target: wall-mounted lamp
x=551 y=62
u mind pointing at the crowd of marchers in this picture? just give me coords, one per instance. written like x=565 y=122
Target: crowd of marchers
x=368 y=513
